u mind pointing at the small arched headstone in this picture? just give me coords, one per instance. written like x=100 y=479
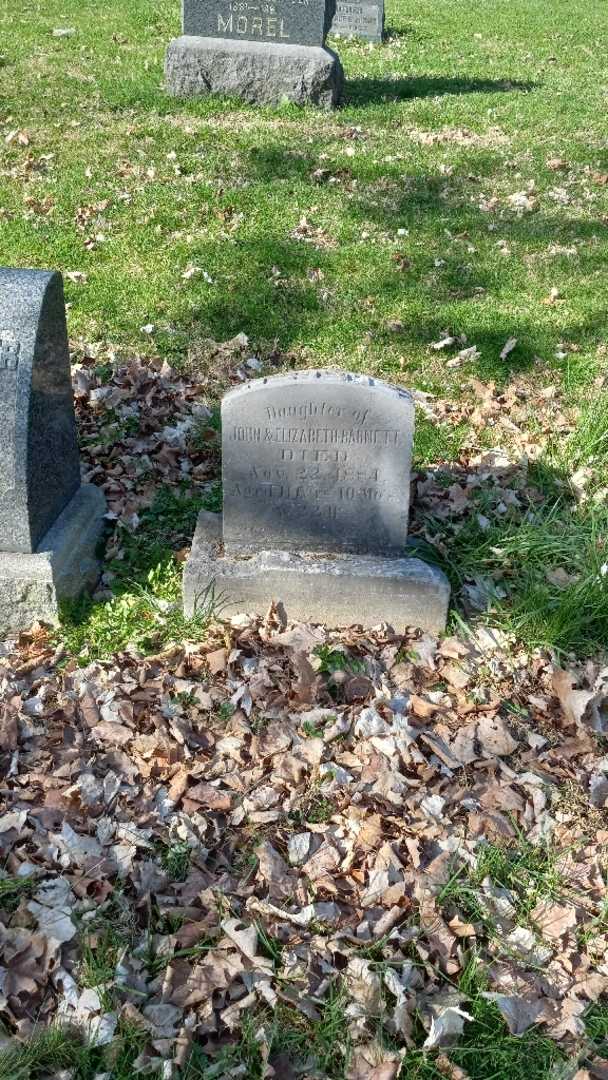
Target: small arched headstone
x=316 y=479
x=49 y=524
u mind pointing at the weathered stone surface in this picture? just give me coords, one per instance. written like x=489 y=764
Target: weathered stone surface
x=340 y=590
x=262 y=74
x=32 y=586
x=363 y=20
x=317 y=461
x=316 y=475
x=39 y=464
x=284 y=22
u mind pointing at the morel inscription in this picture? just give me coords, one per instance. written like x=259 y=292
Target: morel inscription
x=288 y=22
x=317 y=461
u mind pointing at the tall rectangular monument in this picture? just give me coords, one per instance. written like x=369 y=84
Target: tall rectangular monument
x=316 y=477
x=49 y=523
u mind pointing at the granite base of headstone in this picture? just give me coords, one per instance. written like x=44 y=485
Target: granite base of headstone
x=359 y=20
x=264 y=52
x=50 y=524
x=316 y=477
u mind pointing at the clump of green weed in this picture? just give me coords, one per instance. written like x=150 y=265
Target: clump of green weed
x=531 y=872
x=314 y=808
x=12 y=889
x=596 y=1024
x=329 y=660
x=587 y=446
x=101 y=953
x=486 y=1047
x=176 y=860
x=511 y=556
x=144 y=619
x=146 y=610
x=269 y=946
x=312 y=731
x=435 y=442
x=224 y=711
x=321 y=1047
x=213 y=499
x=61 y=1051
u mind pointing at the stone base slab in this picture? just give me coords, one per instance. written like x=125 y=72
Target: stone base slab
x=338 y=590
x=262 y=73
x=32 y=586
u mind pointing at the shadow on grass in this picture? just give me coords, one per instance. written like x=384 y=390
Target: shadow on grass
x=394 y=33
x=370 y=90
x=288 y=290
x=348 y=285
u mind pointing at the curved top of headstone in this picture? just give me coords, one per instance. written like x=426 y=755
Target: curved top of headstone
x=315 y=377
x=317 y=461
x=39 y=460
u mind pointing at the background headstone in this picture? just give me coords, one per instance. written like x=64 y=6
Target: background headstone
x=39 y=463
x=49 y=523
x=316 y=477
x=262 y=51
x=317 y=461
x=363 y=20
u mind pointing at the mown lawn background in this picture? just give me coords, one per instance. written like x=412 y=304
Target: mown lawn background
x=221 y=187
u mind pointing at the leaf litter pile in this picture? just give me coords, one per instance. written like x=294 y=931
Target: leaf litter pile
x=293 y=851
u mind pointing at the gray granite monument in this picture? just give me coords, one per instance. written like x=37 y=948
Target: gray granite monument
x=316 y=477
x=362 y=20
x=262 y=51
x=49 y=523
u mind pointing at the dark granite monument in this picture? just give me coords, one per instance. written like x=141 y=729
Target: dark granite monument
x=362 y=20
x=316 y=477
x=299 y=22
x=39 y=462
x=49 y=524
x=263 y=51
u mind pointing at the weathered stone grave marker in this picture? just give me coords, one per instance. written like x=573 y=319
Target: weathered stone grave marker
x=263 y=51
x=316 y=475
x=363 y=20
x=49 y=524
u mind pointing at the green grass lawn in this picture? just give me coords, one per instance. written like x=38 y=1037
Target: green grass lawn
x=412 y=218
